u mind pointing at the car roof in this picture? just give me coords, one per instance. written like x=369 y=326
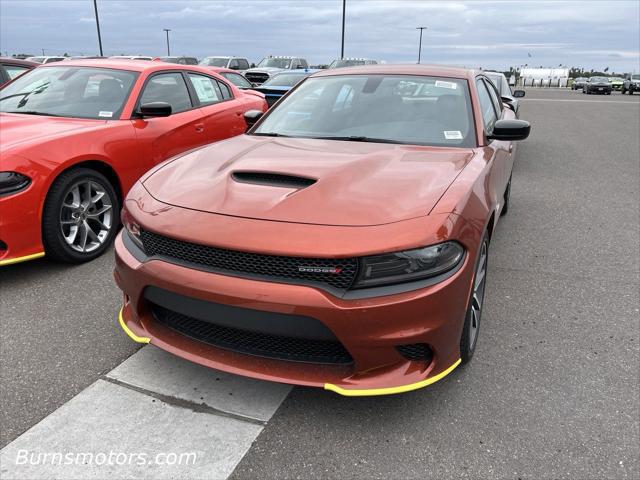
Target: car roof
x=126 y=64
x=18 y=61
x=401 y=69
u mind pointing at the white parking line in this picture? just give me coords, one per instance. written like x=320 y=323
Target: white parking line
x=154 y=416
x=630 y=102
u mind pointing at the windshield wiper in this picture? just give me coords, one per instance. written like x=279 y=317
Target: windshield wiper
x=33 y=112
x=270 y=134
x=23 y=94
x=360 y=138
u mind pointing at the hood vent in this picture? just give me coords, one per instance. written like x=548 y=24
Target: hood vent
x=273 y=179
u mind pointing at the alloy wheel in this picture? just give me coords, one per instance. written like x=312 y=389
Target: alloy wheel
x=86 y=216
x=478 y=297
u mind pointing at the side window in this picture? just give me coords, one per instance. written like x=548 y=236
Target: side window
x=244 y=64
x=14 y=71
x=226 y=91
x=207 y=89
x=303 y=62
x=169 y=88
x=486 y=105
x=495 y=98
x=233 y=65
x=237 y=79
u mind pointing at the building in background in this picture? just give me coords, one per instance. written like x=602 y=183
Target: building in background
x=543 y=77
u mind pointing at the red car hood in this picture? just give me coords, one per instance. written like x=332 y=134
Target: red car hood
x=21 y=129
x=357 y=183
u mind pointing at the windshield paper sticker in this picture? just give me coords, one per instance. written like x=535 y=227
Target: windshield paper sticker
x=453 y=134
x=449 y=85
x=105 y=114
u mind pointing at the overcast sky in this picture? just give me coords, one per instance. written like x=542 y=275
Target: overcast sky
x=490 y=34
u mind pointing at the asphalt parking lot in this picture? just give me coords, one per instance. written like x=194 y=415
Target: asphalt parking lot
x=553 y=390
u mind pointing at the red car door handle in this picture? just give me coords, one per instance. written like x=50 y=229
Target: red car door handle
x=199 y=127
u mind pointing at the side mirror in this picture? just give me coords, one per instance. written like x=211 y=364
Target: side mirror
x=519 y=93
x=252 y=116
x=155 y=109
x=509 y=130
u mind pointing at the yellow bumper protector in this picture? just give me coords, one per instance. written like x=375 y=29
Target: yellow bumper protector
x=26 y=258
x=128 y=331
x=390 y=390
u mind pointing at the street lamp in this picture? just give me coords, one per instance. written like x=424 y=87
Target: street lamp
x=95 y=7
x=344 y=9
x=420 y=45
x=167 y=30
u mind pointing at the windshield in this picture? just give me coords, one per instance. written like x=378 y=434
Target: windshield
x=78 y=92
x=635 y=77
x=214 y=62
x=599 y=80
x=580 y=79
x=346 y=63
x=275 y=62
x=378 y=108
x=284 y=80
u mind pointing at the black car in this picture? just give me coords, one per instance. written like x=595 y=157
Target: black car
x=509 y=97
x=631 y=84
x=597 y=85
x=579 y=83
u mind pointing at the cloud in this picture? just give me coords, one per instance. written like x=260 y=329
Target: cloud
x=493 y=34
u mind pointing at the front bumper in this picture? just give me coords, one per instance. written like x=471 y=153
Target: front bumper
x=20 y=234
x=370 y=329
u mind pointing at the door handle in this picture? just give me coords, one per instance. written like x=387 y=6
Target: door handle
x=239 y=113
x=199 y=127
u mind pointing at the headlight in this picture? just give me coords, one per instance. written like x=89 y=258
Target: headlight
x=12 y=182
x=133 y=229
x=409 y=265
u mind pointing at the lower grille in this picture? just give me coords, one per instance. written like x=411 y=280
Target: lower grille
x=337 y=273
x=415 y=352
x=254 y=343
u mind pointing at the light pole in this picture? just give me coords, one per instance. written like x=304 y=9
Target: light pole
x=95 y=8
x=167 y=30
x=420 y=45
x=344 y=10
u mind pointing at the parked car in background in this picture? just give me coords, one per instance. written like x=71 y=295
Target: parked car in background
x=77 y=135
x=232 y=63
x=509 y=97
x=631 y=84
x=45 y=59
x=85 y=57
x=132 y=57
x=11 y=68
x=597 y=85
x=233 y=76
x=351 y=62
x=271 y=65
x=281 y=83
x=179 y=60
x=616 y=83
x=341 y=243
x=579 y=83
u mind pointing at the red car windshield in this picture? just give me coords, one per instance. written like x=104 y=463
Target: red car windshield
x=76 y=92
x=417 y=110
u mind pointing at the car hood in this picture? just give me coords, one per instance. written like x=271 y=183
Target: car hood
x=269 y=70
x=356 y=184
x=22 y=130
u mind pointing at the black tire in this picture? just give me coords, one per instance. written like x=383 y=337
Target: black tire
x=467 y=343
x=55 y=214
x=507 y=199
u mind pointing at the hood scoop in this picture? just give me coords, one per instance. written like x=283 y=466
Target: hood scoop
x=273 y=179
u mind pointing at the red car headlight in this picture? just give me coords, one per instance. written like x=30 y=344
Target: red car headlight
x=410 y=265
x=132 y=228
x=12 y=182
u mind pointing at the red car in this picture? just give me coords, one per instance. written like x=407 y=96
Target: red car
x=341 y=243
x=77 y=135
x=11 y=68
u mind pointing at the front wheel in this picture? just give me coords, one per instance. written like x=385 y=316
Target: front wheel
x=471 y=327
x=81 y=215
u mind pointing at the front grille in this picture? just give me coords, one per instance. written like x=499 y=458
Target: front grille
x=332 y=272
x=254 y=343
x=415 y=351
x=255 y=77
